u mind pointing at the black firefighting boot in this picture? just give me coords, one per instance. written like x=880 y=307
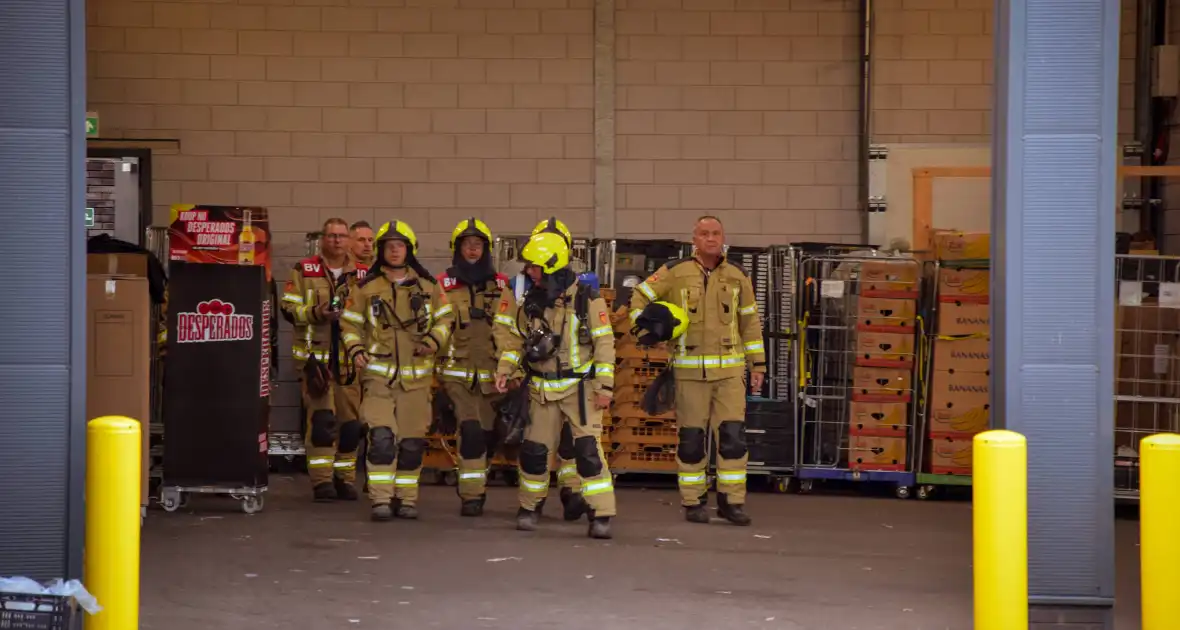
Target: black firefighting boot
x=698 y=513
x=731 y=512
x=526 y=521
x=408 y=512
x=345 y=491
x=324 y=492
x=600 y=528
x=381 y=512
x=472 y=507
x=573 y=504
x=540 y=509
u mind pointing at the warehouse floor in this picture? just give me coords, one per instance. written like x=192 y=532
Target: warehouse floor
x=809 y=562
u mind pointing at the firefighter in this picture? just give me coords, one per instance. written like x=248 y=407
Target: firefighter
x=312 y=301
x=467 y=369
x=394 y=323
x=360 y=238
x=560 y=341
x=723 y=339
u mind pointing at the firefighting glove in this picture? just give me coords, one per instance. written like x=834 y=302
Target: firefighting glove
x=660 y=396
x=315 y=375
x=512 y=416
x=444 y=421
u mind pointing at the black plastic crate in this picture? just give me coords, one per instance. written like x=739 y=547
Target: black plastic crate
x=770 y=414
x=20 y=611
x=770 y=448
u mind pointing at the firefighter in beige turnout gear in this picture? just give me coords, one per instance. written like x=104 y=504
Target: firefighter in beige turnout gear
x=722 y=341
x=467 y=368
x=395 y=322
x=312 y=300
x=559 y=339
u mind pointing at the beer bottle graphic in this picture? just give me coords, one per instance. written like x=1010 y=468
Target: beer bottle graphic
x=246 y=241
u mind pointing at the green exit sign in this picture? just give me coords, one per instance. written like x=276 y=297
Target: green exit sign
x=90 y=217
x=91 y=124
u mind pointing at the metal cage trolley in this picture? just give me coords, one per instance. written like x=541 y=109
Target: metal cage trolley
x=156 y=242
x=1147 y=360
x=857 y=354
x=954 y=372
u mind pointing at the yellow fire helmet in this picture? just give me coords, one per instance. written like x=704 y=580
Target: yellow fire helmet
x=660 y=321
x=397 y=230
x=547 y=251
x=470 y=227
x=553 y=226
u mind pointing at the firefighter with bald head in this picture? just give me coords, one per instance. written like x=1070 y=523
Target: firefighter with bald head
x=312 y=301
x=558 y=342
x=394 y=323
x=467 y=367
x=722 y=340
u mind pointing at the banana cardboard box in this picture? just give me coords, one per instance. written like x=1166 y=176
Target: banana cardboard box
x=950 y=456
x=968 y=354
x=878 y=419
x=896 y=279
x=967 y=285
x=877 y=349
x=959 y=404
x=963 y=318
x=886 y=315
x=867 y=452
x=953 y=245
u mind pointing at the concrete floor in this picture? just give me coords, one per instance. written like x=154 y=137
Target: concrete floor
x=809 y=562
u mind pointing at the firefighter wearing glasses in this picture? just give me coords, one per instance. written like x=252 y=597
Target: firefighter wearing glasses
x=313 y=301
x=467 y=368
x=559 y=339
x=723 y=339
x=394 y=323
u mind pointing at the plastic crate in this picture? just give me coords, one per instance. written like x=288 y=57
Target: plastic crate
x=645 y=435
x=19 y=611
x=637 y=459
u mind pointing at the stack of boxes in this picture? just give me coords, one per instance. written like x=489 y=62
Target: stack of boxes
x=884 y=359
x=638 y=442
x=959 y=396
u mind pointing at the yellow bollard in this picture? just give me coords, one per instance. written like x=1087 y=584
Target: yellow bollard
x=1001 y=530
x=111 y=557
x=1159 y=511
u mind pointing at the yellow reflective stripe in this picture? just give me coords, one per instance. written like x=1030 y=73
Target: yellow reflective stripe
x=455 y=373
x=710 y=361
x=472 y=475
x=534 y=486
x=505 y=319
x=301 y=314
x=573 y=340
x=510 y=357
x=634 y=314
x=554 y=386
x=405 y=479
x=384 y=369
x=351 y=338
x=163 y=336
x=443 y=333
x=731 y=476
x=354 y=317
x=604 y=368
x=344 y=465
x=749 y=310
x=567 y=471
x=381 y=478
x=598 y=486
x=319 y=462
x=692 y=478
x=486 y=376
x=646 y=290
x=293 y=298
x=601 y=331
x=753 y=347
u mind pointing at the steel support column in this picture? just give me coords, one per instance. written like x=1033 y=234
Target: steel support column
x=1053 y=219
x=42 y=368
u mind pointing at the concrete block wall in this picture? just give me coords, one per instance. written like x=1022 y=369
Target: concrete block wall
x=743 y=108
x=933 y=71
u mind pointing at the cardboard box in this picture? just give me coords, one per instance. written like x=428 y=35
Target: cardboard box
x=969 y=354
x=879 y=419
x=881 y=384
x=877 y=349
x=972 y=284
x=886 y=315
x=867 y=452
x=952 y=245
x=117 y=265
x=960 y=404
x=118 y=355
x=889 y=278
x=963 y=318
x=950 y=456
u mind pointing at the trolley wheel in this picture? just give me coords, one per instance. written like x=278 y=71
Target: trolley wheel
x=903 y=492
x=924 y=492
x=806 y=486
x=252 y=504
x=450 y=478
x=171 y=499
x=782 y=485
